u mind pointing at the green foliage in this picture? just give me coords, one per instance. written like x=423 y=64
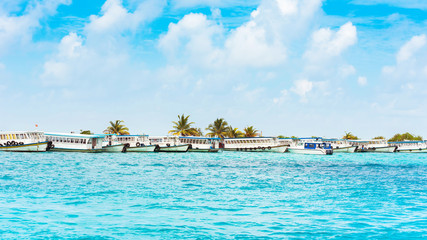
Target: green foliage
x=234 y=132
x=87 y=132
x=350 y=136
x=183 y=127
x=117 y=128
x=281 y=136
x=379 y=137
x=250 y=131
x=405 y=137
x=219 y=128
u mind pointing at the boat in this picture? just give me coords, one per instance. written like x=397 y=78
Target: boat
x=374 y=145
x=71 y=142
x=202 y=144
x=136 y=143
x=340 y=145
x=410 y=146
x=110 y=144
x=254 y=144
x=169 y=144
x=23 y=141
x=311 y=146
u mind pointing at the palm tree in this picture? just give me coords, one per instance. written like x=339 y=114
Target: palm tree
x=234 y=132
x=117 y=128
x=218 y=128
x=183 y=127
x=250 y=131
x=198 y=132
x=349 y=136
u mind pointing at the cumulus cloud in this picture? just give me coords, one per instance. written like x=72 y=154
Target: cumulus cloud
x=411 y=61
x=326 y=44
x=302 y=87
x=362 y=81
x=115 y=18
x=20 y=29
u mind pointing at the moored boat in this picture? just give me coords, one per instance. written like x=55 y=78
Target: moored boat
x=136 y=143
x=201 y=144
x=311 y=146
x=410 y=146
x=169 y=144
x=110 y=144
x=340 y=145
x=71 y=142
x=23 y=141
x=374 y=145
x=255 y=144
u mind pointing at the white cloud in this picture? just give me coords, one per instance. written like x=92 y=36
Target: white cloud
x=410 y=48
x=16 y=30
x=326 y=44
x=411 y=60
x=249 y=45
x=115 y=18
x=302 y=87
x=282 y=97
x=362 y=81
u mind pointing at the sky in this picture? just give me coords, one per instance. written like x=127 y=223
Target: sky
x=287 y=67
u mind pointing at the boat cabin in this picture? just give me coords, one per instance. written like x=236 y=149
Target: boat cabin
x=75 y=141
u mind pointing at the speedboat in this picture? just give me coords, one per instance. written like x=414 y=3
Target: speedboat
x=311 y=146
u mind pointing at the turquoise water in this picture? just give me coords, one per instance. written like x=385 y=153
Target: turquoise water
x=204 y=196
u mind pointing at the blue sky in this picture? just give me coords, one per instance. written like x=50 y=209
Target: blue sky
x=290 y=67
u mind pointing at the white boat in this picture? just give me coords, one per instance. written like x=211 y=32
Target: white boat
x=110 y=144
x=136 y=143
x=201 y=144
x=410 y=146
x=255 y=144
x=374 y=145
x=311 y=146
x=23 y=141
x=340 y=145
x=70 y=142
x=169 y=144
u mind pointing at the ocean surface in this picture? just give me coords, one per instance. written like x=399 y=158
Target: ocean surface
x=212 y=196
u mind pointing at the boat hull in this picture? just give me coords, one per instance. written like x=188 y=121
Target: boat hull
x=114 y=148
x=178 y=148
x=32 y=147
x=98 y=150
x=211 y=150
x=378 y=149
x=277 y=149
x=412 y=150
x=350 y=149
x=150 y=148
x=310 y=151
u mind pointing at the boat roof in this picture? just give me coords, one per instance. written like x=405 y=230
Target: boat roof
x=248 y=138
x=19 y=132
x=409 y=142
x=74 y=135
x=194 y=137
